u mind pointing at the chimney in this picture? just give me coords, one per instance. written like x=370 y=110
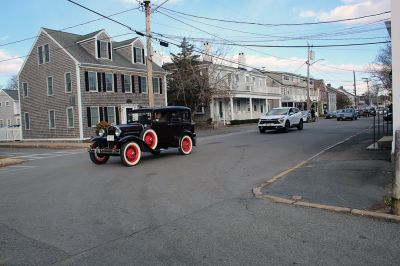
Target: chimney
x=207 y=52
x=242 y=60
x=157 y=58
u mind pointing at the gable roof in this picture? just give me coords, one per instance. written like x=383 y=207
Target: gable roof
x=123 y=43
x=12 y=93
x=69 y=42
x=89 y=35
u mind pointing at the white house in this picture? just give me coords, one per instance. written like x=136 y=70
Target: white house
x=9 y=108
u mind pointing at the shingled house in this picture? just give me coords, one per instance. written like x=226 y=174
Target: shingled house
x=70 y=82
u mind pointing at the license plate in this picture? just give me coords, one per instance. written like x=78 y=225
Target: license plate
x=110 y=137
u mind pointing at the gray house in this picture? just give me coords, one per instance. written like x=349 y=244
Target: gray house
x=70 y=82
x=9 y=108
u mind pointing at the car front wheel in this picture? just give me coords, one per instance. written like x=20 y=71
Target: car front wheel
x=287 y=126
x=98 y=158
x=185 y=145
x=300 y=125
x=262 y=130
x=130 y=154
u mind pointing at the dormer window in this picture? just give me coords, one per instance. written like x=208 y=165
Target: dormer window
x=103 y=49
x=138 y=55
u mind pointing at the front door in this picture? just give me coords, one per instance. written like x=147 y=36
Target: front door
x=221 y=110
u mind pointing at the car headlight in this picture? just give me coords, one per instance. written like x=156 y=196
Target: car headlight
x=102 y=132
x=281 y=120
x=259 y=120
x=117 y=131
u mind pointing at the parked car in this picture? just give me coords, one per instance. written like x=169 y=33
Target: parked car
x=306 y=116
x=330 y=114
x=147 y=130
x=388 y=116
x=348 y=113
x=281 y=118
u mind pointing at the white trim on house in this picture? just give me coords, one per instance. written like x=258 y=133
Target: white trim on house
x=48 y=35
x=115 y=115
x=106 y=67
x=112 y=82
x=96 y=83
x=25 y=113
x=98 y=112
x=65 y=81
x=73 y=120
x=52 y=85
x=23 y=90
x=52 y=110
x=79 y=94
x=94 y=37
x=130 y=83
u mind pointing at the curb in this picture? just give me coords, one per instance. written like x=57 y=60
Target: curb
x=45 y=145
x=257 y=191
x=10 y=161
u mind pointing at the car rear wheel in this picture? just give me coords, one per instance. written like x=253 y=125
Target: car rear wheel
x=185 y=145
x=130 y=154
x=338 y=119
x=262 y=130
x=300 y=125
x=149 y=136
x=98 y=158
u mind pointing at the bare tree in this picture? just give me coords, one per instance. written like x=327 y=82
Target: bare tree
x=382 y=71
x=12 y=83
x=342 y=101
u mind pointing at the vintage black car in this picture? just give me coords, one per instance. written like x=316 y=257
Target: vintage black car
x=147 y=130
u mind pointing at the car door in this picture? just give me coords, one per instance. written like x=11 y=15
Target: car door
x=176 y=126
x=160 y=125
x=298 y=115
x=292 y=116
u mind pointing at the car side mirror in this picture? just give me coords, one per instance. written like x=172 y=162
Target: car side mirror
x=291 y=113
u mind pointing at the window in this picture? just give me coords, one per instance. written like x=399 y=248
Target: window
x=40 y=55
x=262 y=108
x=111 y=115
x=92 y=81
x=18 y=122
x=285 y=78
x=138 y=56
x=143 y=82
x=127 y=83
x=52 y=119
x=68 y=84
x=1 y=104
x=1 y=123
x=247 y=78
x=260 y=82
x=247 y=88
x=9 y=122
x=7 y=104
x=248 y=105
x=255 y=107
x=46 y=53
x=200 y=109
x=94 y=116
x=156 y=85
x=25 y=89
x=27 y=121
x=103 y=49
x=254 y=80
x=50 y=86
x=109 y=82
x=229 y=78
x=70 y=117
x=237 y=104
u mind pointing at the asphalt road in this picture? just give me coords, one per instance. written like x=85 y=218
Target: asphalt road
x=59 y=208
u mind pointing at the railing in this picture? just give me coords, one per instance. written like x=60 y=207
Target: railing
x=10 y=134
x=381 y=127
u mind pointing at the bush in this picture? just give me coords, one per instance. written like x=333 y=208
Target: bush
x=244 y=121
x=101 y=124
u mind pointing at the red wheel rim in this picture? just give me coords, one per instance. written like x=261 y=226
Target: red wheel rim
x=150 y=139
x=131 y=153
x=186 y=144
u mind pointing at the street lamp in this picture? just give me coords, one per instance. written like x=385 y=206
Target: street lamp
x=369 y=97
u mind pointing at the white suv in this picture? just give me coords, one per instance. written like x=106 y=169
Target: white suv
x=281 y=118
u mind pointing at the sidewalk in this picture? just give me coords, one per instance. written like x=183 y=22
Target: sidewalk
x=346 y=176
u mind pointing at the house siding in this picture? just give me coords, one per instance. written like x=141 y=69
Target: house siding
x=37 y=104
x=125 y=52
x=104 y=99
x=90 y=47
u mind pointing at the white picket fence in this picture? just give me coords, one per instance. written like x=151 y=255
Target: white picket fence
x=10 y=133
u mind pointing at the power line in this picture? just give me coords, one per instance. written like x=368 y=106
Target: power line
x=70 y=27
x=160 y=5
x=276 y=24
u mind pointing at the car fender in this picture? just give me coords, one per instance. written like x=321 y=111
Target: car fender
x=101 y=141
x=139 y=141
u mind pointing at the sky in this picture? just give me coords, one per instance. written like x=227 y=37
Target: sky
x=22 y=19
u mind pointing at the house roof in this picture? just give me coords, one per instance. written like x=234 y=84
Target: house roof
x=69 y=42
x=123 y=43
x=12 y=93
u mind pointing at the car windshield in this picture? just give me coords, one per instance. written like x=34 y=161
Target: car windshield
x=139 y=116
x=347 y=110
x=304 y=112
x=278 y=111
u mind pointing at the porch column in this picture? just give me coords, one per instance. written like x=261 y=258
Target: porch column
x=251 y=108
x=232 y=115
x=212 y=109
x=280 y=102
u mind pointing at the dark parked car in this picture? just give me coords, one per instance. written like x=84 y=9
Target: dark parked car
x=388 y=116
x=147 y=130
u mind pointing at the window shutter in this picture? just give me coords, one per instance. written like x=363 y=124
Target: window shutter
x=116 y=115
x=160 y=82
x=134 y=55
x=98 y=49
x=89 y=118
x=109 y=50
x=140 y=84
x=143 y=59
x=103 y=76
x=123 y=82
x=133 y=83
x=99 y=81
x=101 y=114
x=115 y=83
x=105 y=114
x=87 y=81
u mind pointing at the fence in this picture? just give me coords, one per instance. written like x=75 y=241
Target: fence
x=10 y=133
x=382 y=126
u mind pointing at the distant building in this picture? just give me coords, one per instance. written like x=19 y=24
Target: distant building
x=10 y=114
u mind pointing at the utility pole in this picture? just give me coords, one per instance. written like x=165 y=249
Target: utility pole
x=308 y=77
x=149 y=60
x=355 y=89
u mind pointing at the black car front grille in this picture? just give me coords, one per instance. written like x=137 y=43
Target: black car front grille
x=269 y=121
x=111 y=131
